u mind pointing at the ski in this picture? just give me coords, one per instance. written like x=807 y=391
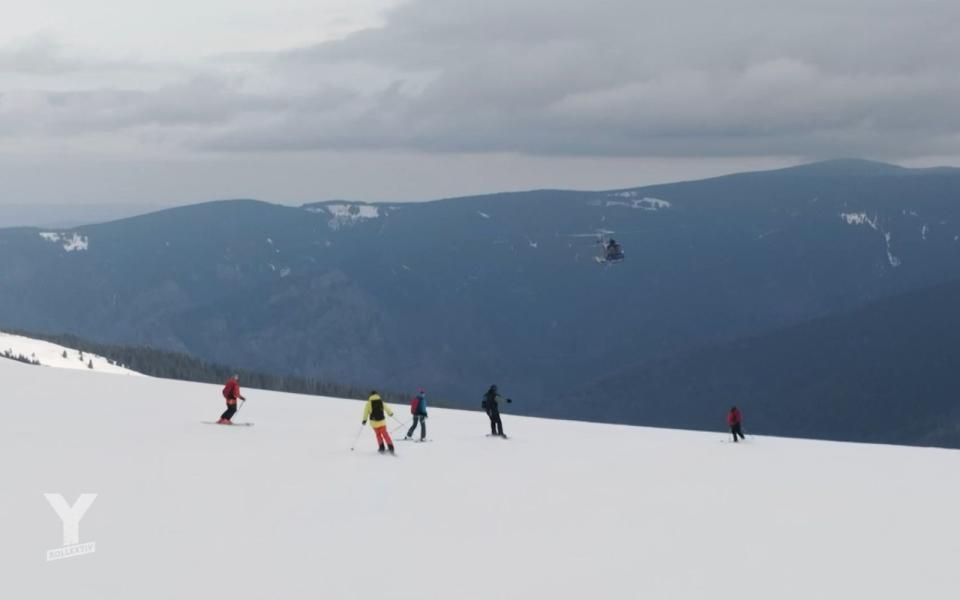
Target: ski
x=242 y=424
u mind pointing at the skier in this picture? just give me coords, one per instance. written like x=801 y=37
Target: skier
x=374 y=412
x=735 y=421
x=231 y=391
x=492 y=406
x=418 y=408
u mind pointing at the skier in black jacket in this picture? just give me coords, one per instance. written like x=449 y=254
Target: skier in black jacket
x=491 y=405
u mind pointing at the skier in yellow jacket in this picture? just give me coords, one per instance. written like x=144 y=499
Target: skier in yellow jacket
x=374 y=411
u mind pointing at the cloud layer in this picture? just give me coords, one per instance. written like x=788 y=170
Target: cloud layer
x=622 y=78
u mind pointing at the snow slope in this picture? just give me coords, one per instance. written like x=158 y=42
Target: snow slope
x=51 y=355
x=564 y=510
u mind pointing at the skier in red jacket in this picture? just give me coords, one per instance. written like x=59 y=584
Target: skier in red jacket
x=735 y=421
x=231 y=391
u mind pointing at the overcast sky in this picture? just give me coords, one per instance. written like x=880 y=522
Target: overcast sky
x=135 y=101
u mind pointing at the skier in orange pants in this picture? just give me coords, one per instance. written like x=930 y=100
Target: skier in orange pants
x=377 y=412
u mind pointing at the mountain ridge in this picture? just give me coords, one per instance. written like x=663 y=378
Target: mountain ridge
x=838 y=166
x=506 y=289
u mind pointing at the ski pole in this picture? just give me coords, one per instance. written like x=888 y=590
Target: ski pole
x=400 y=424
x=357 y=439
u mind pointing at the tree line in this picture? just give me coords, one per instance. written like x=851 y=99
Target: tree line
x=178 y=365
x=8 y=353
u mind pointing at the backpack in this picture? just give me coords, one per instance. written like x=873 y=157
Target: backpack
x=376 y=410
x=414 y=405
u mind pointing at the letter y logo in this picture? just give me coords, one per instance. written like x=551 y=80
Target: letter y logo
x=71 y=515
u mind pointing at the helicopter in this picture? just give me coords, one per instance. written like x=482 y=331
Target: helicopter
x=610 y=251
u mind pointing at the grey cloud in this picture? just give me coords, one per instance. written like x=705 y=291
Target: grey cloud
x=46 y=56
x=201 y=103
x=624 y=77
x=555 y=77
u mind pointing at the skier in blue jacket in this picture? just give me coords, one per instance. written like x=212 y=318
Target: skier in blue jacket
x=418 y=409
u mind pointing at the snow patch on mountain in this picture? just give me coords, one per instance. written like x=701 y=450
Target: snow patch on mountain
x=874 y=223
x=350 y=214
x=893 y=260
x=284 y=271
x=860 y=219
x=345 y=214
x=49 y=354
x=645 y=203
x=72 y=242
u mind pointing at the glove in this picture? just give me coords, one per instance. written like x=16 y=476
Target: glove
x=509 y=401
x=364 y=423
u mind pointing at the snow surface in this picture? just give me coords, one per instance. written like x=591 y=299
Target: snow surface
x=563 y=510
x=51 y=355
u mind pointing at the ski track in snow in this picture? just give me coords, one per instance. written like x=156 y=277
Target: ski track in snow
x=563 y=510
